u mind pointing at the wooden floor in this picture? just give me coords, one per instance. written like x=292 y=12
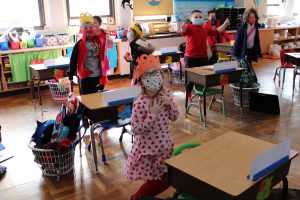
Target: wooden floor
x=24 y=179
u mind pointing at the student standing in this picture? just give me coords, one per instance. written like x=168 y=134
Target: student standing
x=196 y=45
x=153 y=142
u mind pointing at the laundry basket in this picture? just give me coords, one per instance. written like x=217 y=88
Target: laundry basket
x=53 y=163
x=246 y=94
x=59 y=91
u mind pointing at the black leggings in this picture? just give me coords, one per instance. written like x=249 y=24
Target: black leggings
x=193 y=62
x=90 y=85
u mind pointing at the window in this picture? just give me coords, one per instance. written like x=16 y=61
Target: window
x=103 y=8
x=20 y=13
x=273 y=7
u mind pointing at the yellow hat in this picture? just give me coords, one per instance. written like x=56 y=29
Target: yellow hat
x=86 y=18
x=135 y=27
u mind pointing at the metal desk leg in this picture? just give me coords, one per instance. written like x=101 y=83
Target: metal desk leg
x=186 y=94
x=32 y=91
x=180 y=71
x=94 y=148
x=241 y=99
x=284 y=69
x=204 y=105
x=285 y=187
x=294 y=78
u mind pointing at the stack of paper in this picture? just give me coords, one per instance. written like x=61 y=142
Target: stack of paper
x=58 y=62
x=225 y=66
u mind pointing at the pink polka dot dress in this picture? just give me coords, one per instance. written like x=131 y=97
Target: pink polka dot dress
x=153 y=140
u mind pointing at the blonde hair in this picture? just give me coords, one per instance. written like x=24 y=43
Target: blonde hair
x=137 y=29
x=247 y=14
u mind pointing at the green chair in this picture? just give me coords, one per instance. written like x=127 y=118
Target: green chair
x=199 y=91
x=181 y=195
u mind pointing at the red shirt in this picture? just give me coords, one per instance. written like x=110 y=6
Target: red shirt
x=196 y=40
x=212 y=40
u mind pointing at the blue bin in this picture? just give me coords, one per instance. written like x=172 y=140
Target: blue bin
x=39 y=40
x=4 y=46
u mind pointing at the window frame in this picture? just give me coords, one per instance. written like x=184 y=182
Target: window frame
x=111 y=10
x=42 y=17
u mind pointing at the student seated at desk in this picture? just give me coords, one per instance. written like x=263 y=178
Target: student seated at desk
x=153 y=142
x=88 y=58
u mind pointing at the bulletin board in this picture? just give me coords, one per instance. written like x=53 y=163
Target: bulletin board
x=152 y=7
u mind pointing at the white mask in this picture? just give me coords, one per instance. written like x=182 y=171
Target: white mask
x=152 y=80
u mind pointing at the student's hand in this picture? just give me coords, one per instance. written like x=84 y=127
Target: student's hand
x=183 y=27
x=157 y=106
x=226 y=22
x=165 y=98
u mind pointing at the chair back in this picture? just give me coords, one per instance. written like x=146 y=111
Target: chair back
x=37 y=61
x=282 y=57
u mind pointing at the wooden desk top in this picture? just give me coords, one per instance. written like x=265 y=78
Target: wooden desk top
x=93 y=101
x=295 y=55
x=226 y=44
x=223 y=162
x=204 y=71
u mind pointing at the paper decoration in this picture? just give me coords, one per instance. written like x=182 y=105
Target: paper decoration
x=154 y=2
x=264 y=189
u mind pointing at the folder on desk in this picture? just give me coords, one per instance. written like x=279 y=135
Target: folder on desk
x=57 y=62
x=225 y=67
x=270 y=160
x=121 y=96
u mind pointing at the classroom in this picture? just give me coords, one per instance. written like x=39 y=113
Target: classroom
x=150 y=99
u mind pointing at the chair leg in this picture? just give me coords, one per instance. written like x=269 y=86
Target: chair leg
x=274 y=78
x=122 y=133
x=211 y=102
x=200 y=109
x=102 y=146
x=79 y=133
x=223 y=106
x=283 y=79
x=294 y=78
x=190 y=103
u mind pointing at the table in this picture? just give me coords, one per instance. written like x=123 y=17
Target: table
x=208 y=78
x=218 y=169
x=169 y=58
x=293 y=58
x=97 y=110
x=39 y=73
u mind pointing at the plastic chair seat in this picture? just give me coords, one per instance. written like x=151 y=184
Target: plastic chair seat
x=199 y=89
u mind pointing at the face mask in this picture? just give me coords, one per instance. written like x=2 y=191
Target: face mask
x=251 y=20
x=152 y=80
x=129 y=36
x=87 y=33
x=213 y=19
x=197 y=21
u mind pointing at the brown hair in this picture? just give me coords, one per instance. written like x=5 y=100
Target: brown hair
x=196 y=11
x=99 y=20
x=247 y=14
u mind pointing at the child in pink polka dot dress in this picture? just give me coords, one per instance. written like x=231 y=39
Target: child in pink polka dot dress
x=153 y=142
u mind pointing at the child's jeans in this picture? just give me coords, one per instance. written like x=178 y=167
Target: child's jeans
x=193 y=62
x=90 y=85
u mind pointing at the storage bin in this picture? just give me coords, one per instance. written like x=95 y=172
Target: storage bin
x=30 y=43
x=14 y=45
x=39 y=40
x=4 y=46
x=62 y=39
x=23 y=45
x=51 y=40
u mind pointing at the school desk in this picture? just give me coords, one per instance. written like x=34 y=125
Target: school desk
x=207 y=78
x=168 y=58
x=218 y=169
x=97 y=110
x=225 y=47
x=39 y=73
x=293 y=58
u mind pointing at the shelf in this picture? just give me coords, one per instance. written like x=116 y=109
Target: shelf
x=285 y=39
x=7 y=72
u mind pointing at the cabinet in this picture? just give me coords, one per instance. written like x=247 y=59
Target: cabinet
x=7 y=83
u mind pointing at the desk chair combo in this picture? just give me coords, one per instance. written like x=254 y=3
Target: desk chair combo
x=284 y=65
x=199 y=91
